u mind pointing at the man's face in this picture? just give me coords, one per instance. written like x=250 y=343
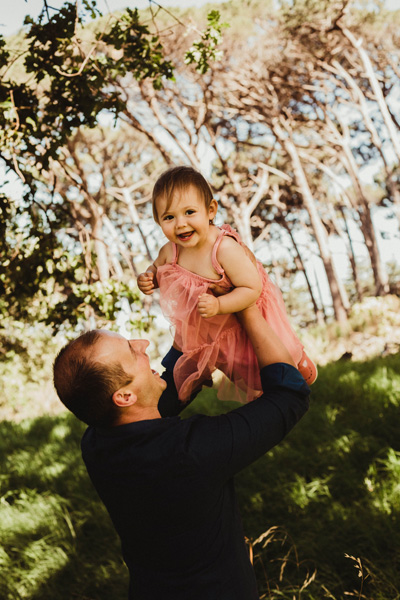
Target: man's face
x=131 y=355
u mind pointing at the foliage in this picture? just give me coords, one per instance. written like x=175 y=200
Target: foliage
x=372 y=330
x=26 y=357
x=72 y=75
x=73 y=62
x=205 y=50
x=329 y=490
x=42 y=281
x=376 y=314
x=72 y=79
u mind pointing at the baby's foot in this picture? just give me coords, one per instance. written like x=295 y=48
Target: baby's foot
x=308 y=369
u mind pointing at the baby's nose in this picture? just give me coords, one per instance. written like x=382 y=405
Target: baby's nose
x=180 y=222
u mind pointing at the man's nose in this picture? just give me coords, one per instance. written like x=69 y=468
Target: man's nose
x=139 y=345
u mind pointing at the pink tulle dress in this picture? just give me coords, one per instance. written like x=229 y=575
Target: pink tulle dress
x=218 y=342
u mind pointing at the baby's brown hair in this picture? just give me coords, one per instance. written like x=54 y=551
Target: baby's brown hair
x=178 y=179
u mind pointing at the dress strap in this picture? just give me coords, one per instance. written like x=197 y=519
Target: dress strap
x=174 y=253
x=224 y=230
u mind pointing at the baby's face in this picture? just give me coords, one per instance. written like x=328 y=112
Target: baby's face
x=186 y=219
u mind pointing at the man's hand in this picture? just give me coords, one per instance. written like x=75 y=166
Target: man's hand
x=208 y=305
x=145 y=282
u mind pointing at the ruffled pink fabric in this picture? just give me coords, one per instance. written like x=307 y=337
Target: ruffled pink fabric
x=218 y=342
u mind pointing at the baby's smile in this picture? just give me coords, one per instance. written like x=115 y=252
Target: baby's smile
x=185 y=236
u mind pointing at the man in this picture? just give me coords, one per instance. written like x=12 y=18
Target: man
x=167 y=483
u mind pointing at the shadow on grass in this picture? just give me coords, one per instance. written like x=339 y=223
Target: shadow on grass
x=57 y=541
x=333 y=484
x=329 y=489
x=332 y=488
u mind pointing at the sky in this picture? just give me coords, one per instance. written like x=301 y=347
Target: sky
x=12 y=12
x=12 y=17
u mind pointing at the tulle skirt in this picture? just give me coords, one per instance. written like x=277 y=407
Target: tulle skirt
x=219 y=342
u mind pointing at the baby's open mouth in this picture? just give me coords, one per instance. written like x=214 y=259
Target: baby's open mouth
x=185 y=236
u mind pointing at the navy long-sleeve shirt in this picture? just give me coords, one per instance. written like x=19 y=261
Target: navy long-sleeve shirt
x=168 y=486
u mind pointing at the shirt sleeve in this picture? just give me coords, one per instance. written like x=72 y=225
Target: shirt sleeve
x=224 y=445
x=169 y=404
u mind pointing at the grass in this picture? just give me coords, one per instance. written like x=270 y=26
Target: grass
x=321 y=511
x=332 y=488
x=56 y=538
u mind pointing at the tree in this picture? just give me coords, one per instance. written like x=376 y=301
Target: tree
x=285 y=120
x=325 y=38
x=59 y=253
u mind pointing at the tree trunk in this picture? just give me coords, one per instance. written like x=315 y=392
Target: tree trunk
x=242 y=209
x=319 y=315
x=357 y=44
x=367 y=228
x=352 y=257
x=340 y=300
x=136 y=221
x=100 y=250
x=321 y=299
x=360 y=100
x=118 y=243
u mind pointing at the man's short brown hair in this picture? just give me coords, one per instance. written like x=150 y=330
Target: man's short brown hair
x=85 y=386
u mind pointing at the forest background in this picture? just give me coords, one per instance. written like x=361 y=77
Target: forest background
x=291 y=111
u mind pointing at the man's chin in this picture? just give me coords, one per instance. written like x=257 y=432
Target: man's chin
x=158 y=377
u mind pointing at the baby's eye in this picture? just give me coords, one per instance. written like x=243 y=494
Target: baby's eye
x=167 y=217
x=190 y=211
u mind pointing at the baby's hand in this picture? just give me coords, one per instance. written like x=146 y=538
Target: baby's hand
x=208 y=305
x=145 y=282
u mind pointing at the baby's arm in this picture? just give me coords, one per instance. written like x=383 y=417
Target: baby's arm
x=147 y=281
x=243 y=273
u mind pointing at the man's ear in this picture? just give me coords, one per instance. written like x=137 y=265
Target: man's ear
x=124 y=397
